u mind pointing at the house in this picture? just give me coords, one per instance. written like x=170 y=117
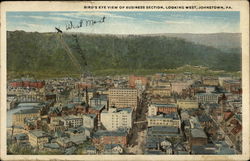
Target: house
x=112 y=149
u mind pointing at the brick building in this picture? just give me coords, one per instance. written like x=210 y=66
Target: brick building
x=137 y=80
x=154 y=109
x=106 y=137
x=197 y=137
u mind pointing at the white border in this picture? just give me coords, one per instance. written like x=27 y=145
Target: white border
x=241 y=6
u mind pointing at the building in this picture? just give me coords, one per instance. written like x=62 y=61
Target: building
x=137 y=81
x=114 y=119
x=113 y=149
x=187 y=104
x=96 y=110
x=90 y=120
x=38 y=138
x=83 y=85
x=123 y=97
x=99 y=100
x=233 y=86
x=171 y=119
x=103 y=137
x=222 y=79
x=26 y=82
x=154 y=109
x=163 y=132
x=161 y=91
x=207 y=97
x=210 y=81
x=197 y=137
x=72 y=121
x=179 y=86
x=18 y=118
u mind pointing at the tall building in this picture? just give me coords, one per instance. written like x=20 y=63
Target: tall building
x=114 y=118
x=123 y=97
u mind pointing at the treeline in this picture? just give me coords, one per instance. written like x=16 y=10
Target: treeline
x=43 y=52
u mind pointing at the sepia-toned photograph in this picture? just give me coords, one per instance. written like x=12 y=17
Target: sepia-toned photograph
x=125 y=80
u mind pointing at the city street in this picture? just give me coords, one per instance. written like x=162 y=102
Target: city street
x=139 y=130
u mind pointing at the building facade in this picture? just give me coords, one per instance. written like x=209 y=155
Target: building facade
x=72 y=121
x=187 y=104
x=38 y=138
x=153 y=109
x=114 y=118
x=207 y=97
x=123 y=97
x=18 y=119
x=164 y=120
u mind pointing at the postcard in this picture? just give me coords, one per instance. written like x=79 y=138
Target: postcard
x=125 y=80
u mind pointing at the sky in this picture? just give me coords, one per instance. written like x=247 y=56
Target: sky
x=127 y=22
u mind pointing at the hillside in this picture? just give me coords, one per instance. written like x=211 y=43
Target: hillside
x=223 y=41
x=44 y=53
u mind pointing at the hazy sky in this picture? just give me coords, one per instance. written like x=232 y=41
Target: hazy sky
x=127 y=22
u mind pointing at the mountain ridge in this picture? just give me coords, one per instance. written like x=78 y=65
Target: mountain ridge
x=43 y=52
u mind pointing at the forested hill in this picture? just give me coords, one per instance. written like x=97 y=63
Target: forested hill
x=43 y=52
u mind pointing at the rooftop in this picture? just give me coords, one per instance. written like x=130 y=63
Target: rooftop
x=98 y=107
x=101 y=133
x=28 y=111
x=198 y=133
x=173 y=115
x=38 y=133
x=164 y=105
x=166 y=129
